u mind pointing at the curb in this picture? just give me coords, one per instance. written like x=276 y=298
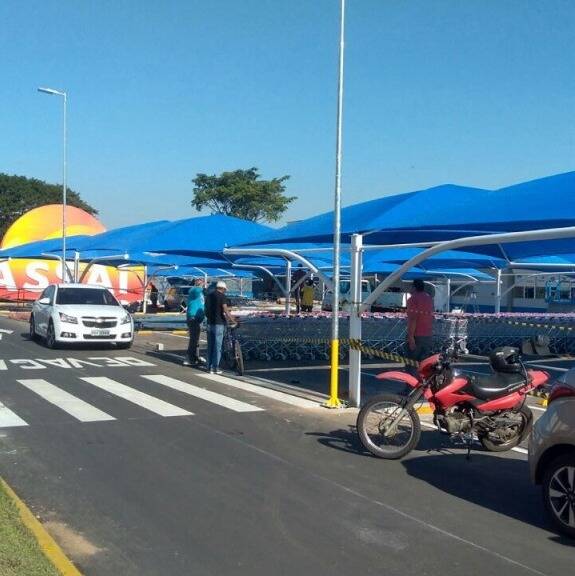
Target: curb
x=47 y=544
x=147 y=332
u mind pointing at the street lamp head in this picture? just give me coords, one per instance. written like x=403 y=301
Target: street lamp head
x=51 y=91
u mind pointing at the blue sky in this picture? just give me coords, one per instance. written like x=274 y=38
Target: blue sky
x=479 y=93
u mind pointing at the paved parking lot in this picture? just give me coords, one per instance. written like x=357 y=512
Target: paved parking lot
x=141 y=466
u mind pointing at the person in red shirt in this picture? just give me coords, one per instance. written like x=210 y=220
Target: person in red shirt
x=419 y=324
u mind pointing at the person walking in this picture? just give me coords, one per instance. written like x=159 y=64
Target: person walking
x=217 y=314
x=195 y=315
x=419 y=324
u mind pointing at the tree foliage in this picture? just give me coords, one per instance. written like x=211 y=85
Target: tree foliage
x=19 y=194
x=241 y=193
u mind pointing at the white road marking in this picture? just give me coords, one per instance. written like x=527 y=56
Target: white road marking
x=516 y=449
x=267 y=392
x=202 y=393
x=136 y=397
x=8 y=419
x=4 y=331
x=74 y=406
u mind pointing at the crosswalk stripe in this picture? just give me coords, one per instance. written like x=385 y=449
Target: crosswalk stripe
x=74 y=406
x=136 y=397
x=9 y=419
x=202 y=393
x=262 y=391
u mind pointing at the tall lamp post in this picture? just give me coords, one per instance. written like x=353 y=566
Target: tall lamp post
x=53 y=92
x=334 y=401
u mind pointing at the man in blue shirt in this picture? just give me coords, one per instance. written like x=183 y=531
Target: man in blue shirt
x=194 y=316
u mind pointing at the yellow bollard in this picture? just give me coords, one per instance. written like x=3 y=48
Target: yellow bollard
x=334 y=401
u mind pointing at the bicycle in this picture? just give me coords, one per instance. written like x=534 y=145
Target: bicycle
x=232 y=351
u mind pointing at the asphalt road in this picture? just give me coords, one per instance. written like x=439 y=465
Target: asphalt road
x=151 y=476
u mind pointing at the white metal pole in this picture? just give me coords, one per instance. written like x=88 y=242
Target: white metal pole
x=498 y=292
x=76 y=265
x=333 y=401
x=288 y=288
x=145 y=303
x=64 y=195
x=448 y=289
x=64 y=95
x=355 y=320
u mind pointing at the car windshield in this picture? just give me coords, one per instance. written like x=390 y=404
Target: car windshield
x=86 y=297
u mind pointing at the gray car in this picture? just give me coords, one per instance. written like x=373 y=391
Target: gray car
x=552 y=454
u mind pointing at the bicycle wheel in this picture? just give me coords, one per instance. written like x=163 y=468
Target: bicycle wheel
x=228 y=355
x=376 y=434
x=239 y=358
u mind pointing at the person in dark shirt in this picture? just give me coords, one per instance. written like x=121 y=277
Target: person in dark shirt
x=217 y=315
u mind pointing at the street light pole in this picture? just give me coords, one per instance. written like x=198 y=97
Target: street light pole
x=53 y=92
x=334 y=401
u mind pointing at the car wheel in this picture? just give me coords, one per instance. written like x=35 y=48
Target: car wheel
x=51 y=341
x=559 y=493
x=33 y=335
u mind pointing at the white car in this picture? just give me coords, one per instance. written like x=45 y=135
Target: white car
x=80 y=313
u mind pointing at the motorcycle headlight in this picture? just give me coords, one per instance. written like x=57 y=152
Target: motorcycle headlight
x=126 y=319
x=68 y=319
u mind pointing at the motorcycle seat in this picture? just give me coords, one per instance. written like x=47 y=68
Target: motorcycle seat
x=495 y=385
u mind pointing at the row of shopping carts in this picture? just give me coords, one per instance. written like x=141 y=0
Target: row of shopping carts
x=300 y=338
x=297 y=338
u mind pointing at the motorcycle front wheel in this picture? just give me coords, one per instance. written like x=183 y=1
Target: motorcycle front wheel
x=377 y=433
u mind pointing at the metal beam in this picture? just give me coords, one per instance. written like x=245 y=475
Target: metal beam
x=505 y=238
x=282 y=253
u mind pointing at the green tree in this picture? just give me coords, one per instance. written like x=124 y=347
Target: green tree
x=241 y=193
x=19 y=194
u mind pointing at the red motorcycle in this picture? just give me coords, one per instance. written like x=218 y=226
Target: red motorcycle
x=490 y=407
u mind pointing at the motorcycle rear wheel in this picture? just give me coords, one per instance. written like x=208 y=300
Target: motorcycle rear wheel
x=378 y=413
x=494 y=445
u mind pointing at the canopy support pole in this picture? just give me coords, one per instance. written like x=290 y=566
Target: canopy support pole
x=76 y=266
x=288 y=288
x=355 y=320
x=498 y=292
x=145 y=302
x=448 y=295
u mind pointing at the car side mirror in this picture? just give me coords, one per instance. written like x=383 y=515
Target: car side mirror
x=44 y=301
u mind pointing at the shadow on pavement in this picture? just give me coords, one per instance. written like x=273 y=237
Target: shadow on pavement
x=501 y=484
x=347 y=440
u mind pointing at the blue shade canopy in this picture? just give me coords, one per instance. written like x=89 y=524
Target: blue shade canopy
x=448 y=212
x=547 y=262
x=37 y=249
x=120 y=239
x=199 y=236
x=199 y=271
x=147 y=259
x=451 y=259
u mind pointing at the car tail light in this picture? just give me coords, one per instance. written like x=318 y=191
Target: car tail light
x=560 y=392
